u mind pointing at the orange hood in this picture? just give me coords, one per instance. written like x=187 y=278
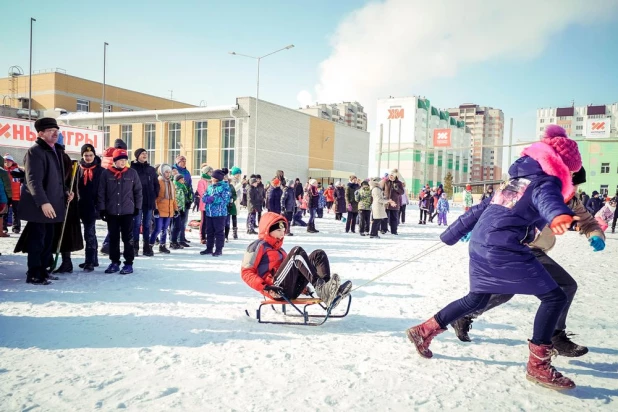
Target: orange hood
x=267 y=220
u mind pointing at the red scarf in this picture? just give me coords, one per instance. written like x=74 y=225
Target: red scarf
x=117 y=172
x=88 y=175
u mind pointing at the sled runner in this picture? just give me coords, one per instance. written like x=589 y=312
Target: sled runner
x=299 y=310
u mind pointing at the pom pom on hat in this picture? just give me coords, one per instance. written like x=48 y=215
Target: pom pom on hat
x=120 y=154
x=120 y=144
x=566 y=148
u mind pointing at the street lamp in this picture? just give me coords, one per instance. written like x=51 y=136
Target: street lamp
x=104 y=106
x=32 y=20
x=257 y=95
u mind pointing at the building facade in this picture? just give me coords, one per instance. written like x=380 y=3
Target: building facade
x=299 y=144
x=404 y=139
x=595 y=128
x=58 y=90
x=487 y=127
x=351 y=114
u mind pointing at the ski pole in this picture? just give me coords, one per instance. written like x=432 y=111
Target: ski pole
x=66 y=214
x=422 y=254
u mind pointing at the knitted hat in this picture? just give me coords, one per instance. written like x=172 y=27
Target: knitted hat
x=206 y=170
x=120 y=144
x=218 y=174
x=567 y=149
x=178 y=177
x=313 y=182
x=235 y=171
x=9 y=157
x=290 y=182
x=252 y=180
x=364 y=183
x=276 y=226
x=258 y=177
x=120 y=154
x=225 y=170
x=595 y=193
x=579 y=177
x=275 y=182
x=468 y=187
x=88 y=148
x=45 y=123
x=139 y=152
x=163 y=168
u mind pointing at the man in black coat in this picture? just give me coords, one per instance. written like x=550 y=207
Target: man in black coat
x=44 y=197
x=88 y=178
x=119 y=201
x=150 y=190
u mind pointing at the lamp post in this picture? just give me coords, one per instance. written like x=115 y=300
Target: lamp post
x=32 y=20
x=257 y=95
x=104 y=106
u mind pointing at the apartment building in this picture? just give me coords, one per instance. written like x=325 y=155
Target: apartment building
x=351 y=114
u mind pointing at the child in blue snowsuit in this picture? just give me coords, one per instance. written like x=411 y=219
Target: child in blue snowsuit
x=216 y=200
x=443 y=209
x=500 y=260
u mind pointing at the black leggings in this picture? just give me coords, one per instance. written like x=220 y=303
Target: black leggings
x=298 y=269
x=424 y=214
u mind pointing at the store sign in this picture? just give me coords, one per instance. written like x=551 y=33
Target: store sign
x=598 y=127
x=442 y=137
x=395 y=114
x=21 y=133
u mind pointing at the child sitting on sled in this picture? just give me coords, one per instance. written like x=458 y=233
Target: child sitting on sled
x=267 y=268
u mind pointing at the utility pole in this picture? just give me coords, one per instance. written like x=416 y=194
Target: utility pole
x=32 y=20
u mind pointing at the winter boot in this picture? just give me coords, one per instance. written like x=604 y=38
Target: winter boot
x=88 y=267
x=462 y=326
x=327 y=291
x=184 y=243
x=147 y=250
x=227 y=233
x=314 y=229
x=113 y=268
x=175 y=245
x=422 y=335
x=235 y=232
x=126 y=269
x=565 y=346
x=83 y=265
x=163 y=249
x=65 y=267
x=539 y=368
x=136 y=247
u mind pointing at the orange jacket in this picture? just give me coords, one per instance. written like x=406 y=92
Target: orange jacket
x=329 y=194
x=263 y=256
x=166 y=207
x=15 y=182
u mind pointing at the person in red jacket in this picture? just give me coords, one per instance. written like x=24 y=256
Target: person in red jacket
x=267 y=268
x=16 y=175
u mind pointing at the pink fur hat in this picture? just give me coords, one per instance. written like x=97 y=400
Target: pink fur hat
x=567 y=149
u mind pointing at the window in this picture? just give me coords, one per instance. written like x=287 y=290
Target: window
x=604 y=190
x=83 y=105
x=579 y=127
x=541 y=129
x=551 y=120
x=173 y=141
x=228 y=135
x=125 y=109
x=107 y=108
x=604 y=167
x=150 y=138
x=126 y=134
x=200 y=136
x=542 y=121
x=580 y=119
x=105 y=136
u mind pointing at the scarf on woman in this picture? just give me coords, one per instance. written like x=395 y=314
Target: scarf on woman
x=117 y=172
x=169 y=192
x=88 y=171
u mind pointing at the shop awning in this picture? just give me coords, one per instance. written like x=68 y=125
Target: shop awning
x=329 y=174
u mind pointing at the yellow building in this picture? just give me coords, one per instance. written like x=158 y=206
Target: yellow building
x=58 y=90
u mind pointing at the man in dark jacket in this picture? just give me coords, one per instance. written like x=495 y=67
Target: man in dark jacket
x=288 y=205
x=181 y=166
x=88 y=178
x=119 y=201
x=274 y=197
x=393 y=189
x=43 y=197
x=351 y=204
x=594 y=204
x=262 y=194
x=150 y=190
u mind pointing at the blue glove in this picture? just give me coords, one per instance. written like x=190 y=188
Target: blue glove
x=209 y=199
x=466 y=237
x=597 y=243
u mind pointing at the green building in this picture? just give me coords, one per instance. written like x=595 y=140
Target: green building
x=600 y=158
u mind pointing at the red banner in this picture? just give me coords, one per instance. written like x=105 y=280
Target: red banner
x=442 y=138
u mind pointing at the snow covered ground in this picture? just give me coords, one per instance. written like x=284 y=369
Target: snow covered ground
x=174 y=335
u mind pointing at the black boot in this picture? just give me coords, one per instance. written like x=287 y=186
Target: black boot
x=462 y=326
x=565 y=346
x=65 y=267
x=314 y=229
x=147 y=250
x=235 y=232
x=163 y=249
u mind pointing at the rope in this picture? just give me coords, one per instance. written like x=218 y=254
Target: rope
x=428 y=251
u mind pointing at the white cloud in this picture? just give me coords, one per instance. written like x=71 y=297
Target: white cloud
x=394 y=46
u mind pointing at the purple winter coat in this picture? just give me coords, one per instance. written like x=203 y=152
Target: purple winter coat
x=500 y=260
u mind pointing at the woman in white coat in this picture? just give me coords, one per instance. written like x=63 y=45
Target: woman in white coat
x=378 y=206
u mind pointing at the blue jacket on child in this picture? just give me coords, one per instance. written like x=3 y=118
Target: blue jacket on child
x=216 y=199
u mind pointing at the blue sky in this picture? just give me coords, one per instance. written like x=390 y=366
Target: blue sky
x=183 y=46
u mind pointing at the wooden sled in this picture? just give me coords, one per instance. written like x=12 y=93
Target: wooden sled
x=299 y=308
